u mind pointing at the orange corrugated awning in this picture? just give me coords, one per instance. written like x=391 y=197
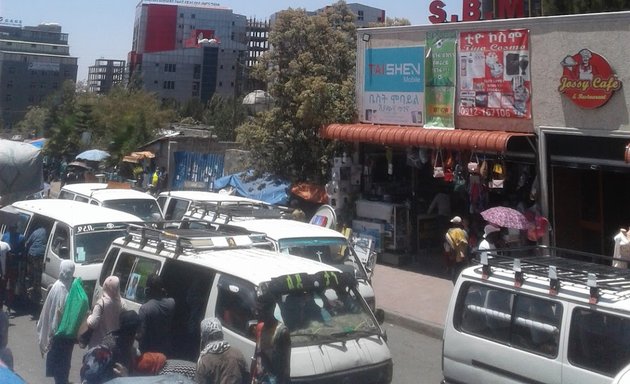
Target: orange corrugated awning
x=458 y=139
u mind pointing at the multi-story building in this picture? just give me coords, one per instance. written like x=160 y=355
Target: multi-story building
x=105 y=74
x=364 y=15
x=188 y=51
x=34 y=63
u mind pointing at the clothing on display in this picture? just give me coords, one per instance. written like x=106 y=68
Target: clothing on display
x=622 y=248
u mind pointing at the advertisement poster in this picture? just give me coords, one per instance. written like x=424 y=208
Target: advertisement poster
x=440 y=79
x=393 y=91
x=494 y=74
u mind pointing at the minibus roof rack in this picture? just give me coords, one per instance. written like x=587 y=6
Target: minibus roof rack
x=562 y=265
x=228 y=211
x=191 y=235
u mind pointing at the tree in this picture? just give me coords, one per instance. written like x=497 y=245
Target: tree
x=35 y=122
x=565 y=7
x=127 y=119
x=224 y=114
x=392 y=22
x=310 y=71
x=63 y=137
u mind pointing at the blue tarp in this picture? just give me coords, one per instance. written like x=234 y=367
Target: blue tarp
x=268 y=188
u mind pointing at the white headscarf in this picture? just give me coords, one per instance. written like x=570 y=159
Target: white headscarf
x=52 y=310
x=212 y=337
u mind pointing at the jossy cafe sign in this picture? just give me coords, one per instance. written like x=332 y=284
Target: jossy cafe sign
x=587 y=79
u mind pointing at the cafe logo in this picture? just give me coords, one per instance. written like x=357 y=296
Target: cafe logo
x=587 y=79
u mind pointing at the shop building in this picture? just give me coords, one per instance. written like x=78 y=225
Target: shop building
x=541 y=97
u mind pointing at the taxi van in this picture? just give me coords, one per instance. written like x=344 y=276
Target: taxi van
x=316 y=243
x=137 y=203
x=538 y=315
x=76 y=231
x=218 y=273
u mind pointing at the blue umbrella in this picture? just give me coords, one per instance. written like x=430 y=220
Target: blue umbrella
x=93 y=155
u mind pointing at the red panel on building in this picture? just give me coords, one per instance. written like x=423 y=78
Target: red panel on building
x=161 y=28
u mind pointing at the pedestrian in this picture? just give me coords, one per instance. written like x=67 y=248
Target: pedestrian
x=121 y=343
x=218 y=363
x=15 y=261
x=156 y=317
x=456 y=246
x=6 y=355
x=490 y=238
x=63 y=168
x=5 y=248
x=105 y=315
x=58 y=349
x=272 y=357
x=162 y=181
x=35 y=250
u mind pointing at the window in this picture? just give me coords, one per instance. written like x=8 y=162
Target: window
x=524 y=322
x=599 y=341
x=10 y=84
x=108 y=263
x=192 y=16
x=360 y=15
x=123 y=267
x=137 y=280
x=176 y=209
x=235 y=303
x=197 y=71
x=169 y=67
x=169 y=84
x=8 y=97
x=220 y=83
x=61 y=241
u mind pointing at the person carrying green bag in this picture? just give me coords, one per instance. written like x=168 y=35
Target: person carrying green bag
x=62 y=313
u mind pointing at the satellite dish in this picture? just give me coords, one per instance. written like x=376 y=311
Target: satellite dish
x=325 y=217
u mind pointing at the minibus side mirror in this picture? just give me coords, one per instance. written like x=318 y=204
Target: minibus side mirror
x=380 y=316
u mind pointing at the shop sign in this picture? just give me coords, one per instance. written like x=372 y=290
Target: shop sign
x=473 y=10
x=9 y=22
x=493 y=74
x=440 y=79
x=393 y=86
x=587 y=79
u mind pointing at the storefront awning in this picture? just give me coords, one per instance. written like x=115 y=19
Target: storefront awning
x=457 y=139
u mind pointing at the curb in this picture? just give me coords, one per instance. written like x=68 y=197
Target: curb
x=429 y=329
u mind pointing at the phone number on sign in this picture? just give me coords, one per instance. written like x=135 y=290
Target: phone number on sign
x=486 y=112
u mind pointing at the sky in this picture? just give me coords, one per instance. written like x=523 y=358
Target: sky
x=103 y=28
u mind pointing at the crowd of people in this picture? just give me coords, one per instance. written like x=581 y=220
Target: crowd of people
x=120 y=342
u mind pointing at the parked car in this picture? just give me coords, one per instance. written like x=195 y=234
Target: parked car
x=75 y=231
x=538 y=315
x=131 y=201
x=340 y=341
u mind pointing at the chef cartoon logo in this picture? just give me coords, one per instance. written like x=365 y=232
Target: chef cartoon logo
x=587 y=79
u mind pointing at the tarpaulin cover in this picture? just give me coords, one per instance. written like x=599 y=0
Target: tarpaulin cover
x=268 y=188
x=21 y=168
x=310 y=192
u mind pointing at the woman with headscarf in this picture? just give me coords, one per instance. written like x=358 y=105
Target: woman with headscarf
x=106 y=312
x=218 y=363
x=58 y=349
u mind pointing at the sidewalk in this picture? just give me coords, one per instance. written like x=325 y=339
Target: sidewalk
x=415 y=296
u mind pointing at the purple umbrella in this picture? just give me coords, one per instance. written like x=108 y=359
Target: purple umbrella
x=505 y=217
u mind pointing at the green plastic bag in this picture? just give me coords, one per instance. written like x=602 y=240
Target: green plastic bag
x=75 y=310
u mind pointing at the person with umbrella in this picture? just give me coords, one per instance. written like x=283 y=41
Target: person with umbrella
x=491 y=236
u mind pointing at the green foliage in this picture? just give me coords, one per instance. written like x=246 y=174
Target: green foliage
x=565 y=7
x=224 y=114
x=35 y=122
x=392 y=22
x=310 y=72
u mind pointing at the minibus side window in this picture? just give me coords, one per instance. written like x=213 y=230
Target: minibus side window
x=487 y=312
x=61 y=243
x=108 y=263
x=123 y=269
x=137 y=282
x=536 y=325
x=235 y=304
x=599 y=341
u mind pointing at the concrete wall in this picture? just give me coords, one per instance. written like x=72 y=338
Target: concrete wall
x=551 y=39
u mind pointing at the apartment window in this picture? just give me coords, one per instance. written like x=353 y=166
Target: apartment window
x=55 y=47
x=232 y=84
x=233 y=67
x=181 y=15
x=42 y=85
x=221 y=66
x=360 y=16
x=9 y=43
x=192 y=16
x=170 y=67
x=169 y=84
x=33 y=45
x=55 y=85
x=155 y=81
x=10 y=84
x=33 y=84
x=7 y=97
x=220 y=83
x=197 y=71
